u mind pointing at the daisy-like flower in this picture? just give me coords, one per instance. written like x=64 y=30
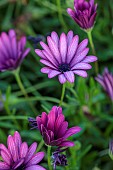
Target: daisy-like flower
x=64 y=57
x=12 y=51
x=106 y=81
x=18 y=156
x=84 y=13
x=54 y=128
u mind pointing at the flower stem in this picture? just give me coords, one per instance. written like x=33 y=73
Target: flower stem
x=63 y=92
x=18 y=79
x=60 y=15
x=49 y=157
x=89 y=33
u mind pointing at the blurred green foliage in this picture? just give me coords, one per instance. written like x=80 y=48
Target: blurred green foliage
x=85 y=104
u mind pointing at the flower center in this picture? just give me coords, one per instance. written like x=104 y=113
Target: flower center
x=64 y=67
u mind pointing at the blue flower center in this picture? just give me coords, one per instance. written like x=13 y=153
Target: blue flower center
x=64 y=67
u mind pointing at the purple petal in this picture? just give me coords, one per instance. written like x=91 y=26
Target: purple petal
x=63 y=47
x=23 y=150
x=4 y=166
x=47 y=63
x=79 y=57
x=82 y=46
x=69 y=76
x=54 y=49
x=66 y=144
x=17 y=139
x=50 y=58
x=18 y=163
x=3 y=147
x=30 y=152
x=25 y=52
x=6 y=157
x=55 y=38
x=82 y=66
x=44 y=118
x=71 y=13
x=62 y=129
x=90 y=59
x=12 y=148
x=62 y=78
x=46 y=70
x=72 y=131
x=36 y=158
x=69 y=37
x=53 y=73
x=35 y=167
x=80 y=73
x=60 y=119
x=39 y=53
x=72 y=48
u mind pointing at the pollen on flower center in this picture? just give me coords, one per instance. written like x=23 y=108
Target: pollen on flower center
x=64 y=67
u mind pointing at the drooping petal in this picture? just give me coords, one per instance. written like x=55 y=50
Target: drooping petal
x=69 y=76
x=53 y=73
x=62 y=78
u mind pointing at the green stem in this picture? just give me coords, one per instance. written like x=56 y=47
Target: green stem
x=49 y=157
x=60 y=15
x=40 y=145
x=17 y=77
x=89 y=33
x=63 y=92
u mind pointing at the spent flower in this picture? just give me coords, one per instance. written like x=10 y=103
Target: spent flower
x=54 y=128
x=12 y=51
x=65 y=56
x=106 y=81
x=84 y=13
x=18 y=156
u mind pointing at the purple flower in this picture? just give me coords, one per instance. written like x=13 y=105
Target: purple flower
x=65 y=57
x=84 y=13
x=12 y=51
x=18 y=156
x=59 y=159
x=54 y=128
x=106 y=81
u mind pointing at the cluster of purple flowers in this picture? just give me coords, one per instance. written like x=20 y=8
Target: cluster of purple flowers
x=64 y=57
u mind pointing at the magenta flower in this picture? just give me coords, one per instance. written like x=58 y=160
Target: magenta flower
x=65 y=57
x=84 y=13
x=54 y=128
x=18 y=156
x=12 y=51
x=106 y=81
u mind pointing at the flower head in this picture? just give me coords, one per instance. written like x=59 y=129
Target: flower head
x=54 y=128
x=65 y=57
x=84 y=13
x=18 y=156
x=59 y=159
x=12 y=51
x=106 y=81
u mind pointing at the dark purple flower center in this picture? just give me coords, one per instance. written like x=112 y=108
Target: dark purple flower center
x=64 y=67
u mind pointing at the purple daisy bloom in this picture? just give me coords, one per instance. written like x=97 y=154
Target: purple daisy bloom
x=18 y=156
x=65 y=57
x=84 y=13
x=106 y=81
x=12 y=51
x=54 y=128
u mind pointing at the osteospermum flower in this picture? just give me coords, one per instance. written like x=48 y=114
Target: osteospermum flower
x=65 y=57
x=12 y=51
x=84 y=13
x=18 y=156
x=54 y=128
x=106 y=81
